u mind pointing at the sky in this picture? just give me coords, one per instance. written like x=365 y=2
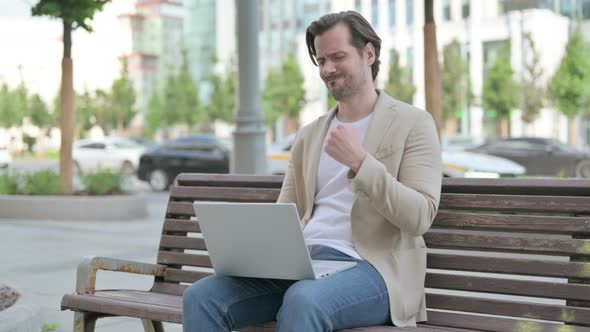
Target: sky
x=33 y=45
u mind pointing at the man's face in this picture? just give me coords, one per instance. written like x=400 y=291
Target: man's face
x=342 y=68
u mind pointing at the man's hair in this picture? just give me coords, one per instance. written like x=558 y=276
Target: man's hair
x=361 y=33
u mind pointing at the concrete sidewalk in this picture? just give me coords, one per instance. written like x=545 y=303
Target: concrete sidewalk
x=40 y=258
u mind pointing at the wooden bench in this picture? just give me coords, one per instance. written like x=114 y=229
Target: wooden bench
x=505 y=255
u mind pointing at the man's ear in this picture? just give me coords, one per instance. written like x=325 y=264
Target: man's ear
x=370 y=51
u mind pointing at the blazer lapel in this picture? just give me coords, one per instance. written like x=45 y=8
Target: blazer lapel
x=383 y=116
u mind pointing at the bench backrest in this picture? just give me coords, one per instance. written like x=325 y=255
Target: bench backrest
x=512 y=248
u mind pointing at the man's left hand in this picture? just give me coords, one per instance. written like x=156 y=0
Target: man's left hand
x=345 y=146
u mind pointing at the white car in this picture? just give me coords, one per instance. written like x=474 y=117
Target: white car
x=109 y=153
x=5 y=159
x=455 y=163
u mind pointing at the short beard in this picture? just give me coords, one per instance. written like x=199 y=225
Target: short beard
x=348 y=90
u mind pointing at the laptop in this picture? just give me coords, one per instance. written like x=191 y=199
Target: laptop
x=260 y=240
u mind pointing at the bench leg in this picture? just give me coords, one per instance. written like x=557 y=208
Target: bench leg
x=152 y=326
x=84 y=322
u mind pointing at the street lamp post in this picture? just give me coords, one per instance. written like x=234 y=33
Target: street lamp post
x=249 y=152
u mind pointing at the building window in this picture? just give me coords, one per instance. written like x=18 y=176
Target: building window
x=357 y=6
x=409 y=12
x=392 y=13
x=586 y=9
x=375 y=13
x=465 y=9
x=410 y=63
x=446 y=10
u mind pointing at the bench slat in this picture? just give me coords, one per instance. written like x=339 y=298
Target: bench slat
x=165 y=287
x=178 y=258
x=496 y=324
x=514 y=223
x=515 y=203
x=180 y=209
x=226 y=194
x=552 y=290
x=176 y=275
x=531 y=245
x=575 y=315
x=182 y=242
x=553 y=187
x=509 y=266
x=230 y=180
x=181 y=225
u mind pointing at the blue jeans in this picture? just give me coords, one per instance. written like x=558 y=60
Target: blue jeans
x=352 y=298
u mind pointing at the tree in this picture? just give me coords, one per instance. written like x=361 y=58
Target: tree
x=532 y=93
x=456 y=91
x=154 y=116
x=500 y=90
x=399 y=84
x=13 y=105
x=181 y=97
x=284 y=94
x=432 y=80
x=222 y=100
x=38 y=112
x=73 y=14
x=122 y=99
x=569 y=88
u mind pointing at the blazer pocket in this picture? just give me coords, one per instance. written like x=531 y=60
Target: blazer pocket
x=387 y=151
x=412 y=268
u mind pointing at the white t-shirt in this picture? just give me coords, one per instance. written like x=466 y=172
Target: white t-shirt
x=330 y=223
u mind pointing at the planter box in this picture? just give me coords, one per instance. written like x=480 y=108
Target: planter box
x=83 y=208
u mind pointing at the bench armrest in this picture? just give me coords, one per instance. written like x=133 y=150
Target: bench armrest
x=86 y=275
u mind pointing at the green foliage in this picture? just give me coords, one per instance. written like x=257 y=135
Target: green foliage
x=75 y=12
x=500 y=90
x=9 y=183
x=570 y=87
x=399 y=84
x=181 y=97
x=40 y=183
x=122 y=100
x=49 y=327
x=38 y=112
x=13 y=105
x=284 y=94
x=154 y=116
x=456 y=85
x=532 y=94
x=331 y=101
x=222 y=100
x=103 y=182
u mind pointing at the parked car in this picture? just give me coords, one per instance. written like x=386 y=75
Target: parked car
x=195 y=154
x=455 y=163
x=5 y=159
x=541 y=156
x=108 y=153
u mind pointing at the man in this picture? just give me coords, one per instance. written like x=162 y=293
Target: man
x=366 y=180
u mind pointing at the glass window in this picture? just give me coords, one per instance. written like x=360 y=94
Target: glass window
x=375 y=13
x=586 y=9
x=357 y=6
x=446 y=10
x=465 y=9
x=391 y=13
x=97 y=146
x=410 y=63
x=409 y=12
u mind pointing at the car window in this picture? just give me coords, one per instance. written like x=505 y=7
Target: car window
x=96 y=146
x=517 y=145
x=126 y=145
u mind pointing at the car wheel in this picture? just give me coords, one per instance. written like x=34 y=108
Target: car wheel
x=583 y=169
x=159 y=180
x=127 y=168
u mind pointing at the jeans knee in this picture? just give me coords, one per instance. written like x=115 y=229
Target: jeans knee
x=301 y=311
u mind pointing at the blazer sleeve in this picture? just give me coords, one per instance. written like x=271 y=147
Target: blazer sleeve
x=409 y=202
x=288 y=193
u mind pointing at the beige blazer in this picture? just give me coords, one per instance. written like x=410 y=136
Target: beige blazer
x=396 y=196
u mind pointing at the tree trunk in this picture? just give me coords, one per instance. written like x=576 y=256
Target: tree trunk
x=432 y=81
x=505 y=127
x=66 y=121
x=291 y=125
x=573 y=131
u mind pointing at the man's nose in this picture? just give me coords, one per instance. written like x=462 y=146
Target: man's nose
x=327 y=69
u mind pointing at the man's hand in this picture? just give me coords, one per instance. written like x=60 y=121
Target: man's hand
x=345 y=146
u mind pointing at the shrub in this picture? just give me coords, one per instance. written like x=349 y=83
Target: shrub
x=9 y=183
x=103 y=182
x=41 y=183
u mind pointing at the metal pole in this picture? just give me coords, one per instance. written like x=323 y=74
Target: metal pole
x=249 y=152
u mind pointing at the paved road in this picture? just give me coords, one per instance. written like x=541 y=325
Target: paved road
x=40 y=258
